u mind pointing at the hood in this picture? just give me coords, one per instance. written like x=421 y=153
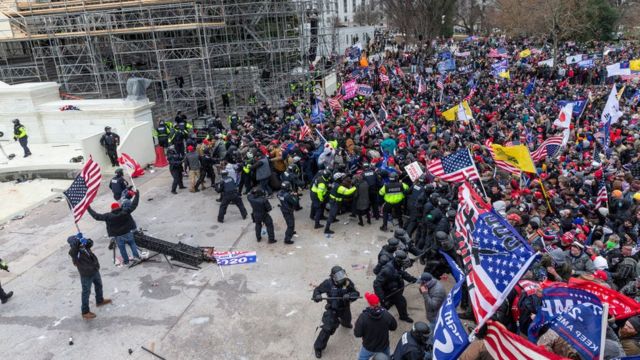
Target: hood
x=374 y=313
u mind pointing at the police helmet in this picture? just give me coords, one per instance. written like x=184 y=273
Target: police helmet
x=338 y=275
x=338 y=176
x=420 y=332
x=106 y=128
x=366 y=165
x=291 y=168
x=326 y=173
x=443 y=203
x=16 y=121
x=257 y=191
x=401 y=259
x=393 y=176
x=393 y=244
x=423 y=178
x=399 y=233
x=451 y=214
x=119 y=171
x=286 y=185
x=434 y=197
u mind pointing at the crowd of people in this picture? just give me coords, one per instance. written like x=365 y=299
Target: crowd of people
x=352 y=156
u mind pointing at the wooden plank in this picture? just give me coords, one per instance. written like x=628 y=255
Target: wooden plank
x=141 y=29
x=84 y=6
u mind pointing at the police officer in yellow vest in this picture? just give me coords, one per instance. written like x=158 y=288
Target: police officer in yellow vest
x=341 y=189
x=319 y=196
x=20 y=135
x=393 y=195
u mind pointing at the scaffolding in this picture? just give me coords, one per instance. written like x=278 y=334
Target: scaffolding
x=195 y=52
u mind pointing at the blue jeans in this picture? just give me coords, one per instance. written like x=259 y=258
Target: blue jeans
x=86 y=282
x=366 y=354
x=122 y=240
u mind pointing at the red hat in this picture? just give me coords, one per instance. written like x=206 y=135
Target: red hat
x=189 y=148
x=600 y=274
x=372 y=299
x=115 y=205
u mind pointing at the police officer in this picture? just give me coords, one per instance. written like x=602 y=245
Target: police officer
x=389 y=284
x=110 y=142
x=319 y=198
x=432 y=216
x=373 y=180
x=118 y=184
x=288 y=204
x=415 y=344
x=162 y=134
x=260 y=207
x=386 y=253
x=415 y=203
x=178 y=137
x=341 y=189
x=20 y=135
x=4 y=297
x=206 y=165
x=229 y=190
x=234 y=120
x=175 y=168
x=393 y=194
x=341 y=292
x=293 y=178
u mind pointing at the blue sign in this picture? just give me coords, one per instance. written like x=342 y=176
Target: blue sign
x=447 y=65
x=224 y=258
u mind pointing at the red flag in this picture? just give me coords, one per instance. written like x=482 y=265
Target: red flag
x=127 y=161
x=505 y=345
x=620 y=306
x=304 y=132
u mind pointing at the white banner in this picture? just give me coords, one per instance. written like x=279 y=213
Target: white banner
x=414 y=170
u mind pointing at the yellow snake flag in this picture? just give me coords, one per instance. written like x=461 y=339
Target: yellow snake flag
x=461 y=111
x=450 y=115
x=517 y=155
x=525 y=53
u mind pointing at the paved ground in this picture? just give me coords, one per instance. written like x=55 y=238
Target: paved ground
x=255 y=311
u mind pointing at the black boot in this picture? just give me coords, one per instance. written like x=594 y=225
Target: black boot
x=5 y=297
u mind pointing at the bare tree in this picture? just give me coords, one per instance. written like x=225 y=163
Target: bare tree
x=426 y=19
x=469 y=15
x=367 y=15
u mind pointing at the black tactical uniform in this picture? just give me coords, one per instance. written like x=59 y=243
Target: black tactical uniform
x=229 y=190
x=206 y=168
x=293 y=178
x=260 y=207
x=118 y=184
x=415 y=204
x=110 y=142
x=414 y=344
x=162 y=133
x=389 y=284
x=373 y=180
x=341 y=292
x=175 y=168
x=288 y=204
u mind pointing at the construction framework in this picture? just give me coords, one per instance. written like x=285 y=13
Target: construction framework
x=201 y=56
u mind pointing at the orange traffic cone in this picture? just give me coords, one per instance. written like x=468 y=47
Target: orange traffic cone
x=161 y=160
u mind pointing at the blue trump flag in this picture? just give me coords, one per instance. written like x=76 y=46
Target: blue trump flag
x=446 y=65
x=449 y=337
x=575 y=315
x=317 y=113
x=578 y=106
x=530 y=88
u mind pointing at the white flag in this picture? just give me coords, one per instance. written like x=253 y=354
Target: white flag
x=611 y=110
x=564 y=118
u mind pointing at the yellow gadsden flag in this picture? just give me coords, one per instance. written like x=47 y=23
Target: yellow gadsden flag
x=634 y=65
x=525 y=53
x=517 y=156
x=461 y=111
x=450 y=115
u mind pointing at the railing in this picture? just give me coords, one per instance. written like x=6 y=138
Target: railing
x=16 y=20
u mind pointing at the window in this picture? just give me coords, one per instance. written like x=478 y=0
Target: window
x=353 y=9
x=344 y=8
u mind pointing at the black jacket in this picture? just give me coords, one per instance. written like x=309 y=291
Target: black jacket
x=117 y=185
x=82 y=257
x=259 y=204
x=119 y=221
x=390 y=279
x=373 y=326
x=334 y=291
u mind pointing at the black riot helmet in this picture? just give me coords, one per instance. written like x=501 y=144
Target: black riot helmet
x=393 y=176
x=392 y=244
x=434 y=198
x=400 y=233
x=119 y=172
x=443 y=203
x=420 y=332
x=286 y=186
x=338 y=275
x=401 y=259
x=451 y=214
x=423 y=179
x=257 y=191
x=107 y=129
x=326 y=174
x=444 y=240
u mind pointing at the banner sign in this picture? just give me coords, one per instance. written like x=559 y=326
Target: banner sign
x=224 y=258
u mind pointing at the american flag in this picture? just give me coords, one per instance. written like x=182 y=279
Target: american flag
x=84 y=189
x=370 y=126
x=548 y=148
x=472 y=92
x=500 y=163
x=455 y=167
x=334 y=103
x=384 y=78
x=505 y=345
x=602 y=198
x=440 y=83
x=399 y=72
x=421 y=86
x=493 y=264
x=304 y=132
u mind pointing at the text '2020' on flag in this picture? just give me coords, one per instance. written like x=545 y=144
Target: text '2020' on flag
x=84 y=189
x=493 y=253
x=449 y=337
x=456 y=167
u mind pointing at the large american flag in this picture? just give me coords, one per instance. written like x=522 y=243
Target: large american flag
x=334 y=103
x=455 y=167
x=304 y=132
x=505 y=345
x=548 y=148
x=494 y=255
x=84 y=189
x=602 y=198
x=500 y=163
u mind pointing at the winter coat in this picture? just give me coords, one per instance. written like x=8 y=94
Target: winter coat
x=373 y=326
x=82 y=257
x=433 y=299
x=581 y=265
x=119 y=221
x=263 y=169
x=192 y=161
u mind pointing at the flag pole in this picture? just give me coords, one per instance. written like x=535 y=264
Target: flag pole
x=544 y=192
x=603 y=329
x=72 y=214
x=479 y=178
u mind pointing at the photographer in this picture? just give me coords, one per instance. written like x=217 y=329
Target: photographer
x=89 y=268
x=4 y=297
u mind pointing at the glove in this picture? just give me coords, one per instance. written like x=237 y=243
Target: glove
x=317 y=298
x=346 y=297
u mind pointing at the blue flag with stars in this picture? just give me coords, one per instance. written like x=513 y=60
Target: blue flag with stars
x=575 y=315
